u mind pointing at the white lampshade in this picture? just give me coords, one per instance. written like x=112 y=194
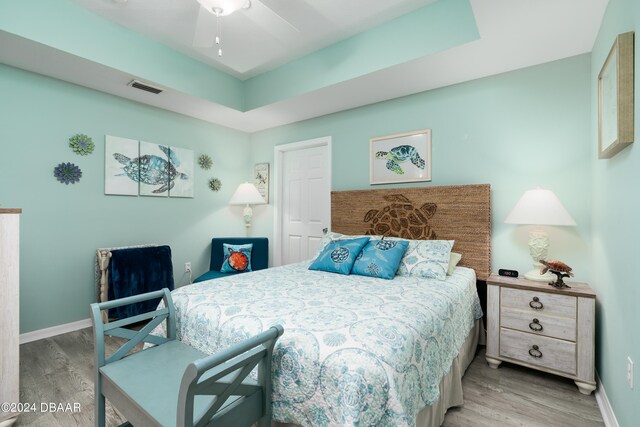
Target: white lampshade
x=539 y=207
x=246 y=194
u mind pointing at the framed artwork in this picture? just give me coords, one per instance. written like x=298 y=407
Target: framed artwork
x=154 y=169
x=615 y=98
x=261 y=179
x=181 y=172
x=142 y=168
x=403 y=157
x=121 y=166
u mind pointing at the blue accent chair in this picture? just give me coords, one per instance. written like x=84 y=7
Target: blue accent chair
x=259 y=255
x=173 y=384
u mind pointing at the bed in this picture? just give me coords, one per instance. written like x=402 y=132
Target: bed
x=359 y=350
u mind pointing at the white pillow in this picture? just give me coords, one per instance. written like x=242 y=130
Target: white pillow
x=454 y=259
x=426 y=258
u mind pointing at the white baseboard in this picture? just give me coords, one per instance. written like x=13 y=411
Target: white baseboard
x=54 y=330
x=606 y=410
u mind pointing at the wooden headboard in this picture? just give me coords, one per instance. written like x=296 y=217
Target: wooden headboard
x=460 y=212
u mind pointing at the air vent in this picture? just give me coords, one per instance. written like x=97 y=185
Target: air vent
x=143 y=86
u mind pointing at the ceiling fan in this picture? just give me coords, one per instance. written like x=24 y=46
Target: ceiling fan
x=208 y=25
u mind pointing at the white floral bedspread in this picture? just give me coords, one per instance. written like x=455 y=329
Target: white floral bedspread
x=356 y=351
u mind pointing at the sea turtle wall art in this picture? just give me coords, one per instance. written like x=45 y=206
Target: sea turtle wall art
x=138 y=167
x=155 y=169
x=400 y=154
x=115 y=182
x=401 y=158
x=182 y=187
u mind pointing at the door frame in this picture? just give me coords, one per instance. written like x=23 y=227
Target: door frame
x=278 y=156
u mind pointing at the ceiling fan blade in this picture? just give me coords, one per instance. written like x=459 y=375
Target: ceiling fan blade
x=205 y=33
x=270 y=21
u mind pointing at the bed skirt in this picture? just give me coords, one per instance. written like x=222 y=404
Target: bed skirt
x=451 y=384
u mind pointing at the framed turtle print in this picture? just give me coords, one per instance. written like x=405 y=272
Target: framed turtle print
x=403 y=157
x=121 y=166
x=615 y=98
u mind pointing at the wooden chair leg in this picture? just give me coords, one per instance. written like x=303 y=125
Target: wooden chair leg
x=100 y=406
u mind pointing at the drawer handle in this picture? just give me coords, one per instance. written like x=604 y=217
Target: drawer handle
x=534 y=352
x=536 y=304
x=535 y=325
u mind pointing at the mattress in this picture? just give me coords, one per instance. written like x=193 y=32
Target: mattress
x=356 y=350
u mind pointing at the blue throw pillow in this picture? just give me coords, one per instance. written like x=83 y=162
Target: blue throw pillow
x=338 y=256
x=380 y=258
x=237 y=258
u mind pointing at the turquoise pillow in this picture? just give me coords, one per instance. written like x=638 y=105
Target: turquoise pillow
x=237 y=258
x=338 y=256
x=380 y=258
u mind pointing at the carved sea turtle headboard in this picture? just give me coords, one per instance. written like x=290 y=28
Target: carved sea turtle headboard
x=460 y=212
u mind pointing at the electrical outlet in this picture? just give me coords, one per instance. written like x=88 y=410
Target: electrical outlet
x=187 y=267
x=630 y=372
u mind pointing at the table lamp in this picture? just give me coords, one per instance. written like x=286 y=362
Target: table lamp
x=539 y=207
x=247 y=194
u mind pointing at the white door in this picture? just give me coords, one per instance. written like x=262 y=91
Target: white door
x=304 y=207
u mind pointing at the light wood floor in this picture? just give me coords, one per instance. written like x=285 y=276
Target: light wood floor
x=60 y=370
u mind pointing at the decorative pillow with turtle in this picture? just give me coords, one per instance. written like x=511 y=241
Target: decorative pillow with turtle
x=338 y=256
x=237 y=258
x=380 y=258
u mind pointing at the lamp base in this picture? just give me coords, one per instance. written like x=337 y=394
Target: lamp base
x=536 y=276
x=248 y=216
x=538 y=247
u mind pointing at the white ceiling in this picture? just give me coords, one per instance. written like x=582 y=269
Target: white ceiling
x=513 y=34
x=268 y=34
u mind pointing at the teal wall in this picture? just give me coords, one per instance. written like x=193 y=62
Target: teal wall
x=63 y=225
x=66 y=26
x=616 y=203
x=433 y=28
x=514 y=131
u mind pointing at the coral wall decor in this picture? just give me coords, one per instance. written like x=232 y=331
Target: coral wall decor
x=81 y=144
x=205 y=162
x=67 y=173
x=215 y=184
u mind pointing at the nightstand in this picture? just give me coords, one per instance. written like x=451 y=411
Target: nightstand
x=536 y=325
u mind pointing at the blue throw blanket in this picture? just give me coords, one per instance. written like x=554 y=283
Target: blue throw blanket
x=136 y=271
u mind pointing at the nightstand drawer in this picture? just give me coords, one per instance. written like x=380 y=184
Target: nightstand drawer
x=552 y=353
x=538 y=323
x=539 y=302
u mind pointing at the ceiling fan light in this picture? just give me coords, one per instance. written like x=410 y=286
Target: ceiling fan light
x=222 y=7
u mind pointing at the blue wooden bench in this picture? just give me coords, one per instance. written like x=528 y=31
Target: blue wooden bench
x=173 y=384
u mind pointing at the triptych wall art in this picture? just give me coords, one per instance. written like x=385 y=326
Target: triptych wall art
x=142 y=168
